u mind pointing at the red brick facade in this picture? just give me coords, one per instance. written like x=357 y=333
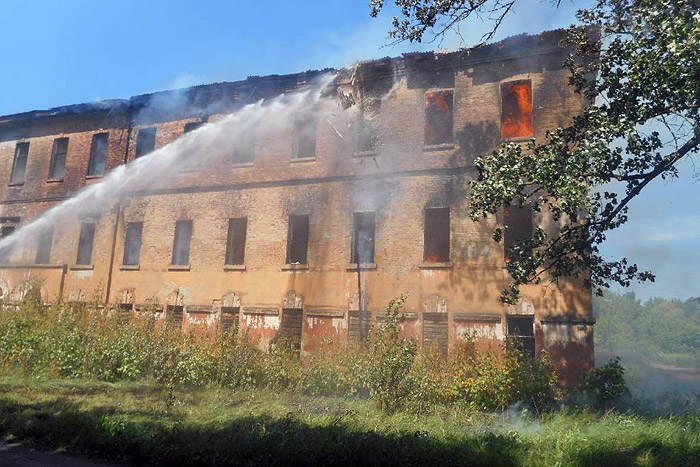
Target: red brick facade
x=412 y=166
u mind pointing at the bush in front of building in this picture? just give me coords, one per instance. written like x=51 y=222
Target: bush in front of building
x=67 y=340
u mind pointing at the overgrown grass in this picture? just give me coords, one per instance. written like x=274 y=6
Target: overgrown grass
x=132 y=421
x=64 y=342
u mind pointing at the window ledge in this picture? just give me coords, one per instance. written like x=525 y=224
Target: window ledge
x=295 y=267
x=438 y=147
x=439 y=265
x=82 y=267
x=302 y=159
x=93 y=177
x=54 y=180
x=368 y=153
x=234 y=267
x=353 y=266
x=15 y=184
x=521 y=139
x=179 y=267
x=186 y=170
x=130 y=267
x=238 y=165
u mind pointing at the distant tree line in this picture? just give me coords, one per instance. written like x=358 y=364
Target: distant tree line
x=661 y=330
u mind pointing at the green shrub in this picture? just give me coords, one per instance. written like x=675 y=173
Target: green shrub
x=391 y=360
x=606 y=385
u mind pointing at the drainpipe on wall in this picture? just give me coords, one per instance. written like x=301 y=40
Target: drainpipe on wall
x=118 y=210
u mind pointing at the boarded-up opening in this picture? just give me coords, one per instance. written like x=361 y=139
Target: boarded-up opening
x=516 y=109
x=58 y=159
x=289 y=333
x=358 y=329
x=235 y=242
x=519 y=228
x=229 y=317
x=438 y=118
x=298 y=239
x=436 y=235
x=435 y=332
x=98 y=154
x=174 y=315
x=368 y=135
x=181 y=243
x=43 y=248
x=6 y=252
x=85 y=243
x=145 y=141
x=19 y=165
x=244 y=147
x=521 y=333
x=132 y=244
x=304 y=136
x=363 y=237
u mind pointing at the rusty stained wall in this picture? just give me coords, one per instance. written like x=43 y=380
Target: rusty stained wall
x=397 y=180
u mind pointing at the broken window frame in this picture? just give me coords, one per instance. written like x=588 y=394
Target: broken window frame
x=98 y=155
x=192 y=165
x=235 y=241
x=7 y=251
x=133 y=238
x=298 y=228
x=244 y=148
x=436 y=244
x=44 y=245
x=86 y=243
x=305 y=136
x=369 y=125
x=368 y=220
x=508 y=105
x=443 y=137
x=523 y=341
x=18 y=174
x=145 y=141
x=59 y=155
x=519 y=228
x=182 y=243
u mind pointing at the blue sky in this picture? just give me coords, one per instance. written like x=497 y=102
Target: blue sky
x=64 y=52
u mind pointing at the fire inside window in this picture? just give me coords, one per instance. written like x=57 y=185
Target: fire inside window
x=145 y=141
x=363 y=237
x=181 y=243
x=132 y=244
x=304 y=137
x=516 y=109
x=438 y=118
x=519 y=228
x=43 y=249
x=85 y=243
x=58 y=159
x=298 y=239
x=98 y=154
x=436 y=235
x=368 y=138
x=19 y=167
x=235 y=242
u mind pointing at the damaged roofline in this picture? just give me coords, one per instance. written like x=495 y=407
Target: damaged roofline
x=269 y=85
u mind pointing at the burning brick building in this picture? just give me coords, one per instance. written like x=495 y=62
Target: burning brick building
x=309 y=230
